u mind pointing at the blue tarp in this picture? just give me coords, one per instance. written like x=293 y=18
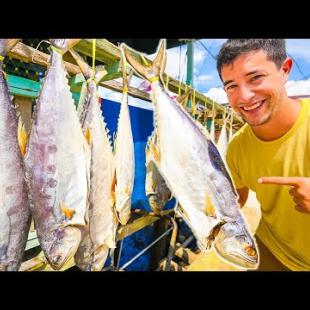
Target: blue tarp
x=142 y=127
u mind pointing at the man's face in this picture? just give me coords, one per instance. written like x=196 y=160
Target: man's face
x=255 y=87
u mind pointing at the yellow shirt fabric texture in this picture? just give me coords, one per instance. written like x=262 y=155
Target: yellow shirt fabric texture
x=285 y=231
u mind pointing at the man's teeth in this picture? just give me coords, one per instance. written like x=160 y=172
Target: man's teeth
x=254 y=106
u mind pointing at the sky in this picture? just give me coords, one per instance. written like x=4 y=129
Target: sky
x=206 y=79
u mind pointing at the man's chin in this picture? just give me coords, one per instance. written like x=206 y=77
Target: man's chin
x=257 y=122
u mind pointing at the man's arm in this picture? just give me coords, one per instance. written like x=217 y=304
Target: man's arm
x=243 y=195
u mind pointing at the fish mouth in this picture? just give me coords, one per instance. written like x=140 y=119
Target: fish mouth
x=243 y=260
x=63 y=251
x=239 y=259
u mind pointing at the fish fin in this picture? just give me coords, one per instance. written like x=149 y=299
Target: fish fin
x=152 y=147
x=155 y=152
x=147 y=152
x=88 y=135
x=22 y=137
x=68 y=213
x=147 y=70
x=127 y=189
x=161 y=58
x=214 y=232
x=209 y=208
x=154 y=185
x=113 y=187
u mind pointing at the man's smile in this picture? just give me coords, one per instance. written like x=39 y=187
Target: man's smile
x=253 y=107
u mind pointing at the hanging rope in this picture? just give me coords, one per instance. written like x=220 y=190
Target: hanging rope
x=205 y=112
x=179 y=76
x=58 y=50
x=34 y=54
x=193 y=97
x=179 y=90
x=167 y=82
x=185 y=102
x=94 y=58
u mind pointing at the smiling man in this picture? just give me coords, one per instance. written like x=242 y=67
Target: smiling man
x=270 y=154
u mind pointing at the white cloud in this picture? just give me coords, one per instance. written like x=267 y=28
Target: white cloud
x=298 y=88
x=202 y=79
x=217 y=94
x=176 y=62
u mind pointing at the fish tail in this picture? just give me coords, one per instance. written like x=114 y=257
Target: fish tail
x=151 y=71
x=85 y=68
x=63 y=45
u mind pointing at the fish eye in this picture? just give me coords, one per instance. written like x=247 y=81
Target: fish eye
x=250 y=250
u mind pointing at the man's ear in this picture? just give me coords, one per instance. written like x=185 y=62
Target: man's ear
x=287 y=67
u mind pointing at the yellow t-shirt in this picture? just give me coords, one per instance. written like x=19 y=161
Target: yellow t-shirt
x=285 y=231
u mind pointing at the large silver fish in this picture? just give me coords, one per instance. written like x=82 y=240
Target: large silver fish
x=57 y=164
x=14 y=205
x=195 y=172
x=100 y=234
x=124 y=156
x=156 y=188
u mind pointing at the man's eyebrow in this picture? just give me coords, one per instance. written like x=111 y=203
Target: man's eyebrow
x=252 y=72
x=249 y=73
x=227 y=82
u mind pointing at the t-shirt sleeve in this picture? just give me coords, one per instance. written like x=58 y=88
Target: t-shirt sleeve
x=232 y=163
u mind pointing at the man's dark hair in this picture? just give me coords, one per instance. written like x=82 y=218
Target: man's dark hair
x=232 y=48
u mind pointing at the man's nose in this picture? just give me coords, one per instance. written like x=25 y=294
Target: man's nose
x=245 y=94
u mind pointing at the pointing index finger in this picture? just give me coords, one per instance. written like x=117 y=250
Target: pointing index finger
x=292 y=181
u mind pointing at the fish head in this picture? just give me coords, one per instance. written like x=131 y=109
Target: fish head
x=235 y=244
x=65 y=246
